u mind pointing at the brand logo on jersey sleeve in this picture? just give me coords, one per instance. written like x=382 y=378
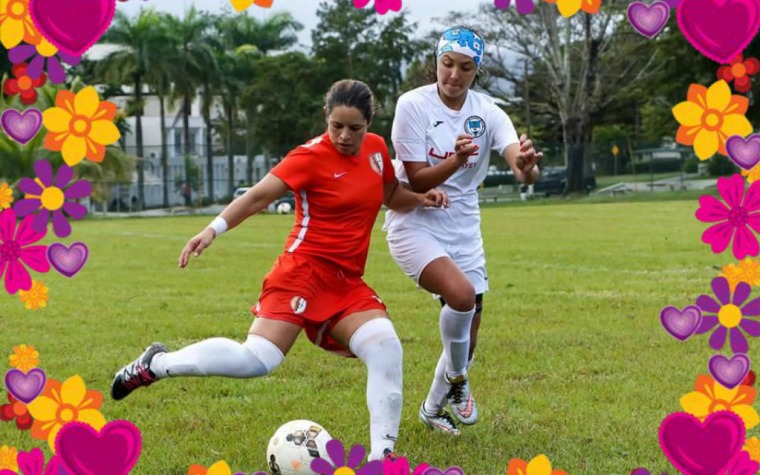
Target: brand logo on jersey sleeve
x=475 y=126
x=376 y=162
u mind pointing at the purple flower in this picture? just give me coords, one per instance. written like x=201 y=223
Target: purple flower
x=642 y=471
x=730 y=315
x=47 y=194
x=338 y=454
x=43 y=53
x=523 y=6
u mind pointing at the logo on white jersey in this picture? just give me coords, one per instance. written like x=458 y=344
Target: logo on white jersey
x=376 y=162
x=475 y=126
x=298 y=304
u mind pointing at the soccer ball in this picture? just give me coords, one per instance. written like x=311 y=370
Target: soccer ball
x=294 y=445
x=284 y=208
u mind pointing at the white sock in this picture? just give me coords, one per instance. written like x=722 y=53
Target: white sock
x=455 y=333
x=436 y=398
x=378 y=346
x=220 y=357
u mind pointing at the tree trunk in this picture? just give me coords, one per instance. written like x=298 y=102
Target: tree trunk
x=209 y=151
x=164 y=152
x=230 y=156
x=186 y=132
x=139 y=140
x=248 y=152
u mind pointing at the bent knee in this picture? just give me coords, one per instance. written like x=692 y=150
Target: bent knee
x=462 y=300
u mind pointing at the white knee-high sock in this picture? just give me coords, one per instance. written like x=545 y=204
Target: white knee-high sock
x=455 y=334
x=378 y=346
x=220 y=357
x=437 y=395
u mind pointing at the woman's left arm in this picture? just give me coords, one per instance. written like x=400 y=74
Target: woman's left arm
x=400 y=198
x=523 y=160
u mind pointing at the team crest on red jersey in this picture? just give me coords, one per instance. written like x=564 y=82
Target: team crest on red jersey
x=376 y=162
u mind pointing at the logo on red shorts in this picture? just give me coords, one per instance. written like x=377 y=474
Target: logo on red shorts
x=298 y=304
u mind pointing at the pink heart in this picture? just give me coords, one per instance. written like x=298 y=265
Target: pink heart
x=25 y=386
x=113 y=451
x=681 y=324
x=719 y=29
x=72 y=25
x=68 y=261
x=701 y=448
x=21 y=126
x=648 y=19
x=744 y=152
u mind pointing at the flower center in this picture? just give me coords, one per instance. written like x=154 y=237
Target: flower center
x=737 y=217
x=719 y=405
x=46 y=49
x=344 y=471
x=80 y=126
x=19 y=408
x=18 y=10
x=738 y=70
x=730 y=316
x=24 y=83
x=10 y=251
x=52 y=198
x=712 y=119
x=66 y=413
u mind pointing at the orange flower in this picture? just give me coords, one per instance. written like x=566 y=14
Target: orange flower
x=538 y=466
x=568 y=8
x=711 y=396
x=62 y=403
x=36 y=297
x=6 y=196
x=16 y=24
x=80 y=126
x=709 y=117
x=752 y=446
x=25 y=358
x=8 y=458
x=740 y=72
x=732 y=274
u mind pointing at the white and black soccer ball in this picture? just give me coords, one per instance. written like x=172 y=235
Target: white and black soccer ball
x=294 y=445
x=284 y=208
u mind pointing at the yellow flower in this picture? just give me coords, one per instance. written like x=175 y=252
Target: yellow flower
x=16 y=24
x=46 y=48
x=752 y=446
x=538 y=466
x=753 y=174
x=750 y=271
x=80 y=126
x=6 y=196
x=35 y=297
x=568 y=8
x=709 y=117
x=711 y=396
x=24 y=358
x=9 y=458
x=219 y=468
x=733 y=275
x=62 y=403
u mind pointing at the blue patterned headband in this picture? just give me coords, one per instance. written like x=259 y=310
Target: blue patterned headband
x=461 y=40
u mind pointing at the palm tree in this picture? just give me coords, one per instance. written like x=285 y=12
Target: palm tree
x=131 y=63
x=194 y=57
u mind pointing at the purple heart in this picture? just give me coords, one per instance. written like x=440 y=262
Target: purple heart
x=648 y=20
x=744 y=152
x=25 y=386
x=681 y=324
x=21 y=126
x=673 y=3
x=448 y=471
x=68 y=260
x=731 y=372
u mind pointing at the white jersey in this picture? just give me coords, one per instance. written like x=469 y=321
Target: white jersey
x=425 y=130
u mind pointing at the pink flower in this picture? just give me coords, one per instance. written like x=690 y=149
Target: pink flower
x=741 y=214
x=742 y=464
x=33 y=463
x=382 y=6
x=15 y=252
x=400 y=466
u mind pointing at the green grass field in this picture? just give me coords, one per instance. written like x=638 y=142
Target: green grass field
x=572 y=360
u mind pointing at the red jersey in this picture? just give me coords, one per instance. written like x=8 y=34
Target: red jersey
x=337 y=199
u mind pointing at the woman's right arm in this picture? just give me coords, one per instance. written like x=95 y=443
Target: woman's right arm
x=423 y=177
x=254 y=200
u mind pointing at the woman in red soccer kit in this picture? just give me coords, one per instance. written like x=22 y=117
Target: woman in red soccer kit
x=340 y=180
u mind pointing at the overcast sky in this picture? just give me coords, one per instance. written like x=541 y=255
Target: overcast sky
x=420 y=11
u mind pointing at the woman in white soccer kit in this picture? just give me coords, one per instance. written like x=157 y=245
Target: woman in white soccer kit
x=443 y=134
